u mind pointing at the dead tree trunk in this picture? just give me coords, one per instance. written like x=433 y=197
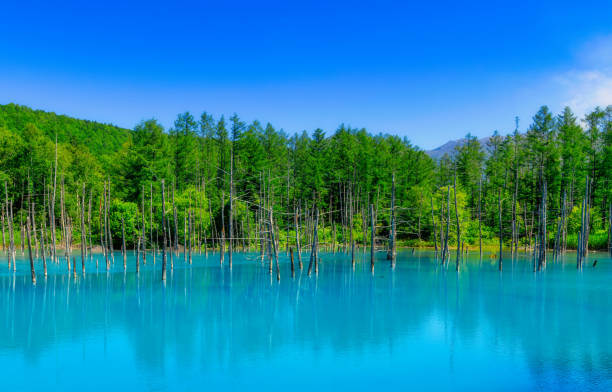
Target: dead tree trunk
x=89 y=223
x=446 y=250
x=610 y=228
x=501 y=234
x=83 y=235
x=123 y=250
x=457 y=219
x=274 y=247
x=104 y=244
x=333 y=235
x=108 y=227
x=582 y=243
x=392 y=251
x=352 y=239
x=33 y=229
x=433 y=224
x=480 y=216
x=230 y=220
x=33 y=273
x=292 y=265
x=297 y=237
x=163 y=211
x=43 y=231
x=189 y=228
x=11 y=225
x=151 y=223
x=313 y=251
x=144 y=232
x=372 y=237
x=544 y=239
x=175 y=220
x=11 y=250
x=3 y=238
x=52 y=216
x=222 y=244
x=64 y=223
x=137 y=251
x=514 y=195
x=316 y=240
x=587 y=231
x=559 y=236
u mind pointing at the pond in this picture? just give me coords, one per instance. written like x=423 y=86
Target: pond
x=417 y=326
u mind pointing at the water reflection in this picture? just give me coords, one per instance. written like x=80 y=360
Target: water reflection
x=420 y=323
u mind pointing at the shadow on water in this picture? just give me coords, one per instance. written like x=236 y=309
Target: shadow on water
x=419 y=324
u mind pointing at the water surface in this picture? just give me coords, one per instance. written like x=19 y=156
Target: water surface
x=419 y=326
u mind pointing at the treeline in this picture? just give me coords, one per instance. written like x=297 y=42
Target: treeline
x=512 y=188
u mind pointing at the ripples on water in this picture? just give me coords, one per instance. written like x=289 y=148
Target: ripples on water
x=420 y=326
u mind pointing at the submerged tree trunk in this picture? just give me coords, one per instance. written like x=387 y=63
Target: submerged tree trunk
x=297 y=237
x=559 y=236
x=501 y=234
x=189 y=229
x=163 y=221
x=230 y=219
x=108 y=227
x=480 y=217
x=107 y=239
x=274 y=247
x=43 y=231
x=222 y=242
x=3 y=238
x=123 y=249
x=514 y=196
x=292 y=265
x=446 y=250
x=457 y=219
x=544 y=239
x=351 y=238
x=372 y=235
x=83 y=235
x=433 y=224
x=392 y=239
x=542 y=230
x=28 y=228
x=582 y=240
x=175 y=220
x=89 y=223
x=313 y=252
x=11 y=250
x=52 y=211
x=610 y=228
x=144 y=232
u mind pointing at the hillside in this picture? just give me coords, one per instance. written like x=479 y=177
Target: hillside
x=100 y=139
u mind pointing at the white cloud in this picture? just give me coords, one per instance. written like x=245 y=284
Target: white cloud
x=589 y=84
x=587 y=89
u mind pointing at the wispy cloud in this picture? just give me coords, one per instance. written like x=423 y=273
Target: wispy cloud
x=587 y=89
x=589 y=83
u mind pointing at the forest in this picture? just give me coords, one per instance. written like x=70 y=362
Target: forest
x=547 y=187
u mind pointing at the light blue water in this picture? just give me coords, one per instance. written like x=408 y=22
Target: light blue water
x=417 y=327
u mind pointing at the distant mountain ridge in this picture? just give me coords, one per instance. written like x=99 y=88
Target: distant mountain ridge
x=450 y=147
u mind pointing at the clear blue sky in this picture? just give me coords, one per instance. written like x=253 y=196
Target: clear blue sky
x=431 y=71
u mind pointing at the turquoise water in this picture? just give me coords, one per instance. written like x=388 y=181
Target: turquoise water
x=417 y=327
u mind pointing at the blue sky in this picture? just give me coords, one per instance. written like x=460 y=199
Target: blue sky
x=430 y=71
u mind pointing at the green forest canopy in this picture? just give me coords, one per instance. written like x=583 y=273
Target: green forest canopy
x=306 y=169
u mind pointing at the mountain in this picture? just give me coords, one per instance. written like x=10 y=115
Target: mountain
x=451 y=146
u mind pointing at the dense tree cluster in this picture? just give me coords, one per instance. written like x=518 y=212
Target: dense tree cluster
x=341 y=173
